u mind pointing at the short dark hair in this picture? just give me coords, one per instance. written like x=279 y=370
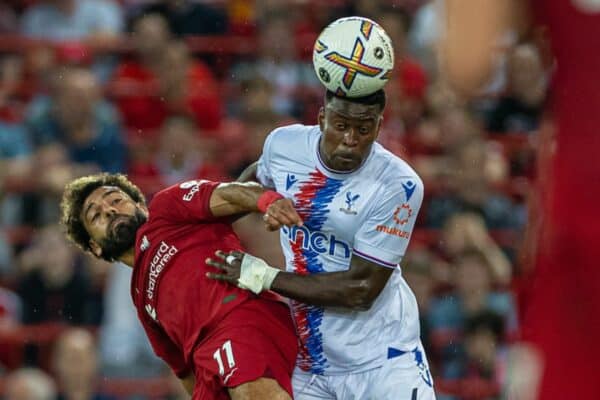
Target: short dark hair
x=378 y=98
x=75 y=194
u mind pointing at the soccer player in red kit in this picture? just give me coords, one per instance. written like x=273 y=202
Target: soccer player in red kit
x=223 y=342
x=561 y=313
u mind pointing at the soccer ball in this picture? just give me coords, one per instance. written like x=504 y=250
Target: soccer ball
x=353 y=57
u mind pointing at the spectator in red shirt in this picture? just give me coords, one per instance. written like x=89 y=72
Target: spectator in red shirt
x=163 y=78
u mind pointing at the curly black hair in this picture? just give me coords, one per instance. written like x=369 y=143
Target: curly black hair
x=75 y=194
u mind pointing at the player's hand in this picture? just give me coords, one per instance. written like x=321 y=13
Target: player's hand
x=243 y=270
x=229 y=265
x=280 y=213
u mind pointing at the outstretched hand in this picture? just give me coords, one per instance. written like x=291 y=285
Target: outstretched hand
x=229 y=265
x=243 y=270
x=280 y=213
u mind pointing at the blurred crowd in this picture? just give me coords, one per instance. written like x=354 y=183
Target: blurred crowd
x=172 y=90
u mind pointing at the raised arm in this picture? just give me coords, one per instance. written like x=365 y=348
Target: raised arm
x=471 y=31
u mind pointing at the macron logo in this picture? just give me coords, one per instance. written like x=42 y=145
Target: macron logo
x=289 y=181
x=409 y=189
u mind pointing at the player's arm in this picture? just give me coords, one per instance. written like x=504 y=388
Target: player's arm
x=379 y=245
x=188 y=383
x=238 y=197
x=356 y=289
x=471 y=31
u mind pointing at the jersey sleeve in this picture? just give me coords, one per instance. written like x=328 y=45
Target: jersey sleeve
x=263 y=170
x=385 y=233
x=186 y=202
x=167 y=350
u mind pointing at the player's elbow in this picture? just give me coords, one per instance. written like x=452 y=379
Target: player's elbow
x=361 y=295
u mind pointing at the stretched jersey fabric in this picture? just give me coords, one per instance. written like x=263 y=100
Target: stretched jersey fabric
x=176 y=303
x=369 y=213
x=561 y=308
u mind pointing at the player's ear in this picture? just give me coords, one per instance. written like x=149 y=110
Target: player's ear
x=95 y=248
x=321 y=118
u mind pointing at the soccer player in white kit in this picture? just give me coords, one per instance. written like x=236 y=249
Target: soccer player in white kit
x=356 y=317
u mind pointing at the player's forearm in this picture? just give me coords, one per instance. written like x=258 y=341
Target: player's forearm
x=188 y=383
x=242 y=196
x=330 y=289
x=472 y=29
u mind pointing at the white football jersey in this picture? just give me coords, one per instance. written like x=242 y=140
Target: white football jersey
x=369 y=212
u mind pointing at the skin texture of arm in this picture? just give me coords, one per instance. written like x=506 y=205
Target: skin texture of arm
x=237 y=198
x=472 y=29
x=188 y=383
x=355 y=289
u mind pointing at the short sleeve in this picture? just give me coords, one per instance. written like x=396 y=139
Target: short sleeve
x=385 y=233
x=263 y=171
x=167 y=350
x=186 y=202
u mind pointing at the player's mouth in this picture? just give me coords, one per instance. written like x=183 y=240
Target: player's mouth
x=116 y=221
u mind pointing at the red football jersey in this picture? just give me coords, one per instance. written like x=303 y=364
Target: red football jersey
x=176 y=303
x=562 y=307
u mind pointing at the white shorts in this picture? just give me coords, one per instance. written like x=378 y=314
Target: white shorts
x=404 y=376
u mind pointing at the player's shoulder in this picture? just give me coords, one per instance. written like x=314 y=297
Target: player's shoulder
x=292 y=136
x=185 y=191
x=392 y=172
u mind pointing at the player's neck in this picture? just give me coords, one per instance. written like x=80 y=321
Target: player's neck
x=128 y=258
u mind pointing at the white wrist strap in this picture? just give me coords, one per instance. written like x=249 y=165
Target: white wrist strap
x=255 y=274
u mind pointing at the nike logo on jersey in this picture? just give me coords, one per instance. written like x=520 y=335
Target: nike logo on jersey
x=289 y=181
x=409 y=189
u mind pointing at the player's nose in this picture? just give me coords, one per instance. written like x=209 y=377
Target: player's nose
x=351 y=138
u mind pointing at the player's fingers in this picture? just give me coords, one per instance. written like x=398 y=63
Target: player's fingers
x=219 y=277
x=216 y=264
x=237 y=254
x=221 y=254
x=271 y=221
x=286 y=212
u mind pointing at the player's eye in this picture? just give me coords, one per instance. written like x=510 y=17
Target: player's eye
x=340 y=126
x=95 y=217
x=116 y=201
x=364 y=130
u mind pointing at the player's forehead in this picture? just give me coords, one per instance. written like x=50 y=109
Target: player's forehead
x=351 y=110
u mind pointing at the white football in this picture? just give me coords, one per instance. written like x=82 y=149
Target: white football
x=353 y=57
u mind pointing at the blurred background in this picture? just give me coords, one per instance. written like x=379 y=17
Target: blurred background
x=167 y=91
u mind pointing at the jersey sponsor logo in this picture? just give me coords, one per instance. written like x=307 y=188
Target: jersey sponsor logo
x=289 y=181
x=194 y=187
x=317 y=241
x=409 y=189
x=402 y=214
x=350 y=201
x=393 y=231
x=145 y=243
x=164 y=253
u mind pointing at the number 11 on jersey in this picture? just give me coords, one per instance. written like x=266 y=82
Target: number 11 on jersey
x=228 y=350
